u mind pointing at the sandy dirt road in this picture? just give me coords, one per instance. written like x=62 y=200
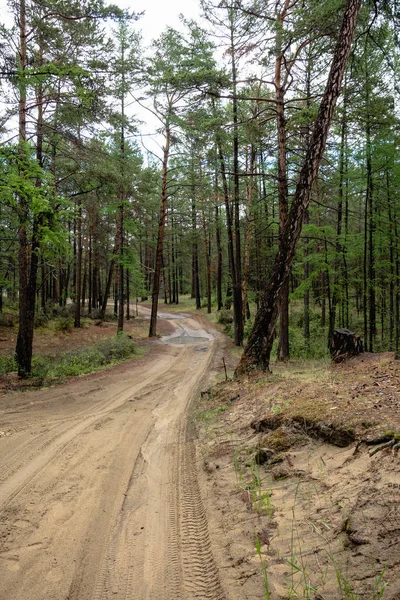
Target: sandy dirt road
x=99 y=496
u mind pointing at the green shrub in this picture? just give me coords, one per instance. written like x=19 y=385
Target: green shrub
x=79 y=362
x=228 y=330
x=95 y=314
x=76 y=363
x=117 y=348
x=90 y=359
x=52 y=309
x=62 y=324
x=7 y=364
x=41 y=319
x=108 y=316
x=225 y=317
x=316 y=347
x=7 y=320
x=248 y=326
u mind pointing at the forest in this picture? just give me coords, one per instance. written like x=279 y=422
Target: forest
x=273 y=195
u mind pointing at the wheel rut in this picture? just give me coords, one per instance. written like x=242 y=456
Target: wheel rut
x=200 y=573
x=106 y=489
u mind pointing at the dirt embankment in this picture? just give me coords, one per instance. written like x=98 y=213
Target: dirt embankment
x=303 y=466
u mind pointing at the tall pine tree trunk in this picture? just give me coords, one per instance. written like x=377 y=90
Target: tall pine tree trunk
x=28 y=252
x=219 y=258
x=257 y=353
x=249 y=229
x=78 y=293
x=237 y=263
x=24 y=338
x=229 y=227
x=120 y=225
x=206 y=245
x=195 y=253
x=339 y=248
x=283 y=345
x=160 y=238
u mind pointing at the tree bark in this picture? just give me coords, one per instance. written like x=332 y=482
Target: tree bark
x=237 y=264
x=249 y=229
x=28 y=251
x=120 y=326
x=128 y=311
x=219 y=259
x=160 y=238
x=206 y=245
x=195 y=253
x=109 y=281
x=339 y=249
x=392 y=262
x=24 y=347
x=78 y=294
x=306 y=300
x=258 y=350
x=229 y=227
x=283 y=345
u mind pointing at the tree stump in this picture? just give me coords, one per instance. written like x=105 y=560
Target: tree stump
x=343 y=344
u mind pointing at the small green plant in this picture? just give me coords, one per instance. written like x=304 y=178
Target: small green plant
x=380 y=586
x=262 y=502
x=280 y=404
x=264 y=569
x=7 y=364
x=345 y=587
x=259 y=497
x=63 y=324
x=236 y=465
x=211 y=413
x=96 y=314
x=7 y=319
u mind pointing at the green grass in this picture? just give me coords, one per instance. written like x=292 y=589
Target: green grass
x=264 y=569
x=78 y=362
x=209 y=414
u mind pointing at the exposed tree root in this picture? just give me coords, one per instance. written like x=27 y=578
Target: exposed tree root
x=383 y=441
x=382 y=447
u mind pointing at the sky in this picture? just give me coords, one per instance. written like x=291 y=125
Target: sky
x=158 y=15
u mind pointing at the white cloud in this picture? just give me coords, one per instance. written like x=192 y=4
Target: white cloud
x=159 y=14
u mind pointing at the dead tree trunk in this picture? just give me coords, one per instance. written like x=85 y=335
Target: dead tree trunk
x=258 y=350
x=343 y=344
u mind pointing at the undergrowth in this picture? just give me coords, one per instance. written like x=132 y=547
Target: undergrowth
x=76 y=362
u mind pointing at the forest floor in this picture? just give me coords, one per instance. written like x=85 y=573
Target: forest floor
x=52 y=344
x=100 y=496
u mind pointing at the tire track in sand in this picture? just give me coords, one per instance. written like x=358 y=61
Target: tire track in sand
x=160 y=547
